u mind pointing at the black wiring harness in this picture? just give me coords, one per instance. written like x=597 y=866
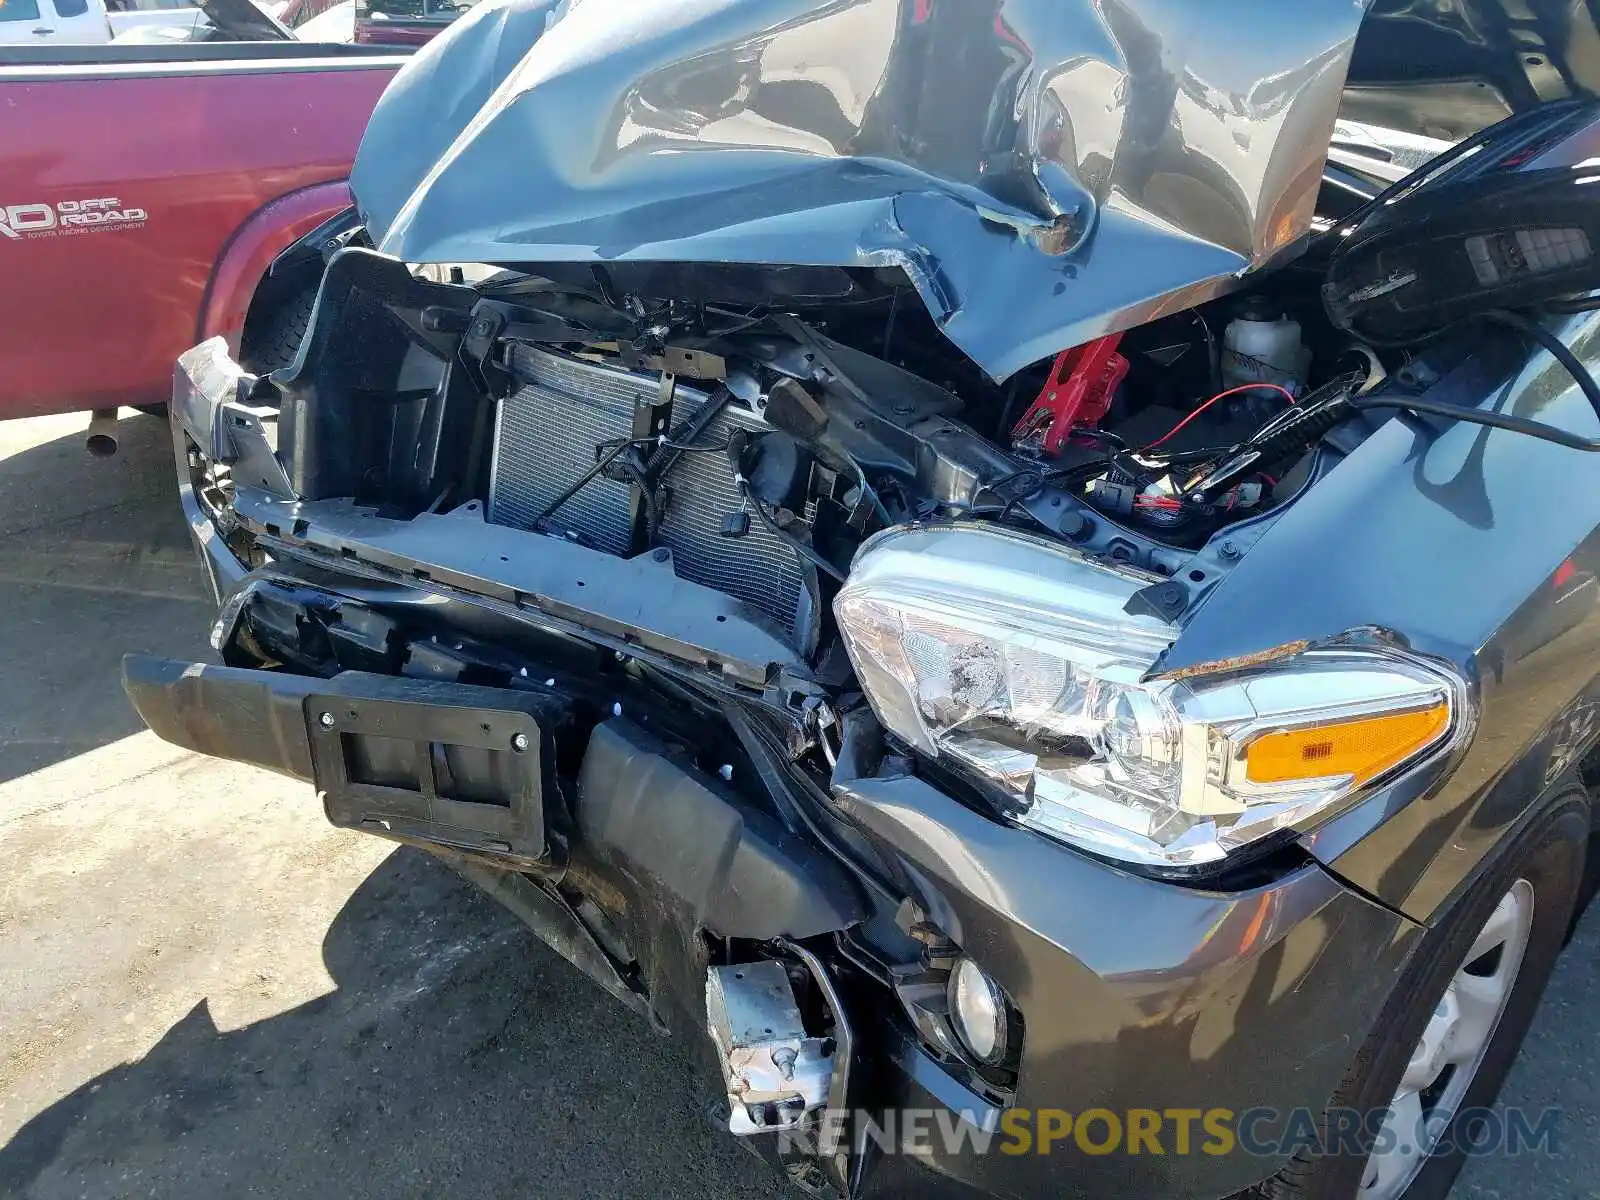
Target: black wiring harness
x=625 y=458
x=1296 y=430
x=1201 y=482
x=1530 y=328
x=737 y=445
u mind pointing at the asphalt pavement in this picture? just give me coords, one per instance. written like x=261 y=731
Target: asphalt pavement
x=207 y=991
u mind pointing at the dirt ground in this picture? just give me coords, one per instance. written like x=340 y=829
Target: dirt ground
x=206 y=991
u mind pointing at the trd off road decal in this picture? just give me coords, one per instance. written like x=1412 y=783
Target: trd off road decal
x=66 y=218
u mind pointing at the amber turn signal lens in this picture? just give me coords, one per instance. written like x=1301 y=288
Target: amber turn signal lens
x=1361 y=749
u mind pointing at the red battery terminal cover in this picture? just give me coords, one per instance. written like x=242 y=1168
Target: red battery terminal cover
x=1082 y=383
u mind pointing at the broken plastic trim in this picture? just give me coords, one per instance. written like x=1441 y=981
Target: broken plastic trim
x=633 y=605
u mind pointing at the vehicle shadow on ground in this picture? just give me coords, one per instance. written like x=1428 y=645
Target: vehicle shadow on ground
x=457 y=1056
x=94 y=562
x=53 y=490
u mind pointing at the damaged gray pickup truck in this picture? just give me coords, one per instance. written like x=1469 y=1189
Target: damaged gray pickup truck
x=1002 y=559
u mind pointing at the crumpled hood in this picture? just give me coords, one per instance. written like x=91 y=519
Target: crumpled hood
x=1044 y=171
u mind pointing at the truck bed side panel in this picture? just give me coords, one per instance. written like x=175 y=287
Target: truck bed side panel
x=93 y=314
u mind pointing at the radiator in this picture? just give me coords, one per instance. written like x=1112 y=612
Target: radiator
x=545 y=438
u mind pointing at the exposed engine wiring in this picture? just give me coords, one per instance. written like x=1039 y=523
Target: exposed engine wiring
x=638 y=475
x=1004 y=512
x=740 y=321
x=589 y=477
x=778 y=531
x=1105 y=436
x=1477 y=416
x=1000 y=486
x=640 y=478
x=738 y=442
x=1474 y=416
x=667 y=444
x=1249 y=387
x=1558 y=350
x=1127 y=468
x=1213 y=355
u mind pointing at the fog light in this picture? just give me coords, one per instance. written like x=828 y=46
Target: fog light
x=978 y=1012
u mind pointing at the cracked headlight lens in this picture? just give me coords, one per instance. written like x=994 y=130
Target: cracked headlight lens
x=1015 y=660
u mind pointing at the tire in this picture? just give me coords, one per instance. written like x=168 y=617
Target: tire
x=272 y=340
x=1549 y=854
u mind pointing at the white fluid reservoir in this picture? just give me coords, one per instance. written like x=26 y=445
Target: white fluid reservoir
x=1263 y=345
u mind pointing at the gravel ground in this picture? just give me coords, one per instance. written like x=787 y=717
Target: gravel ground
x=206 y=991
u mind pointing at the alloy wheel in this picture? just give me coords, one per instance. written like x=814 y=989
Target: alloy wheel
x=1451 y=1048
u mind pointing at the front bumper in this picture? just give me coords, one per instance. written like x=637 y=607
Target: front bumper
x=1132 y=993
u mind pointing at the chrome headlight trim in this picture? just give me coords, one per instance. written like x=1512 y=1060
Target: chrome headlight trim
x=1013 y=659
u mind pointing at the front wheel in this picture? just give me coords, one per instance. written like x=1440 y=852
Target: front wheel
x=1452 y=1028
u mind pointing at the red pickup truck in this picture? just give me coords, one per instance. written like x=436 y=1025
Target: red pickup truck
x=145 y=191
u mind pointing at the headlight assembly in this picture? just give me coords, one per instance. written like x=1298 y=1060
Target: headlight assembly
x=1014 y=659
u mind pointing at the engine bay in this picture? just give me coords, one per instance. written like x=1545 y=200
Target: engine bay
x=681 y=413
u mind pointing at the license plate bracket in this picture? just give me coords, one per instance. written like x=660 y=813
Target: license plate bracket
x=439 y=763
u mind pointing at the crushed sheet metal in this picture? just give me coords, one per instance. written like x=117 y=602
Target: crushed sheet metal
x=1094 y=162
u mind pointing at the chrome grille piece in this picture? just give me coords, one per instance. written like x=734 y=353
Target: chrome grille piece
x=545 y=440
